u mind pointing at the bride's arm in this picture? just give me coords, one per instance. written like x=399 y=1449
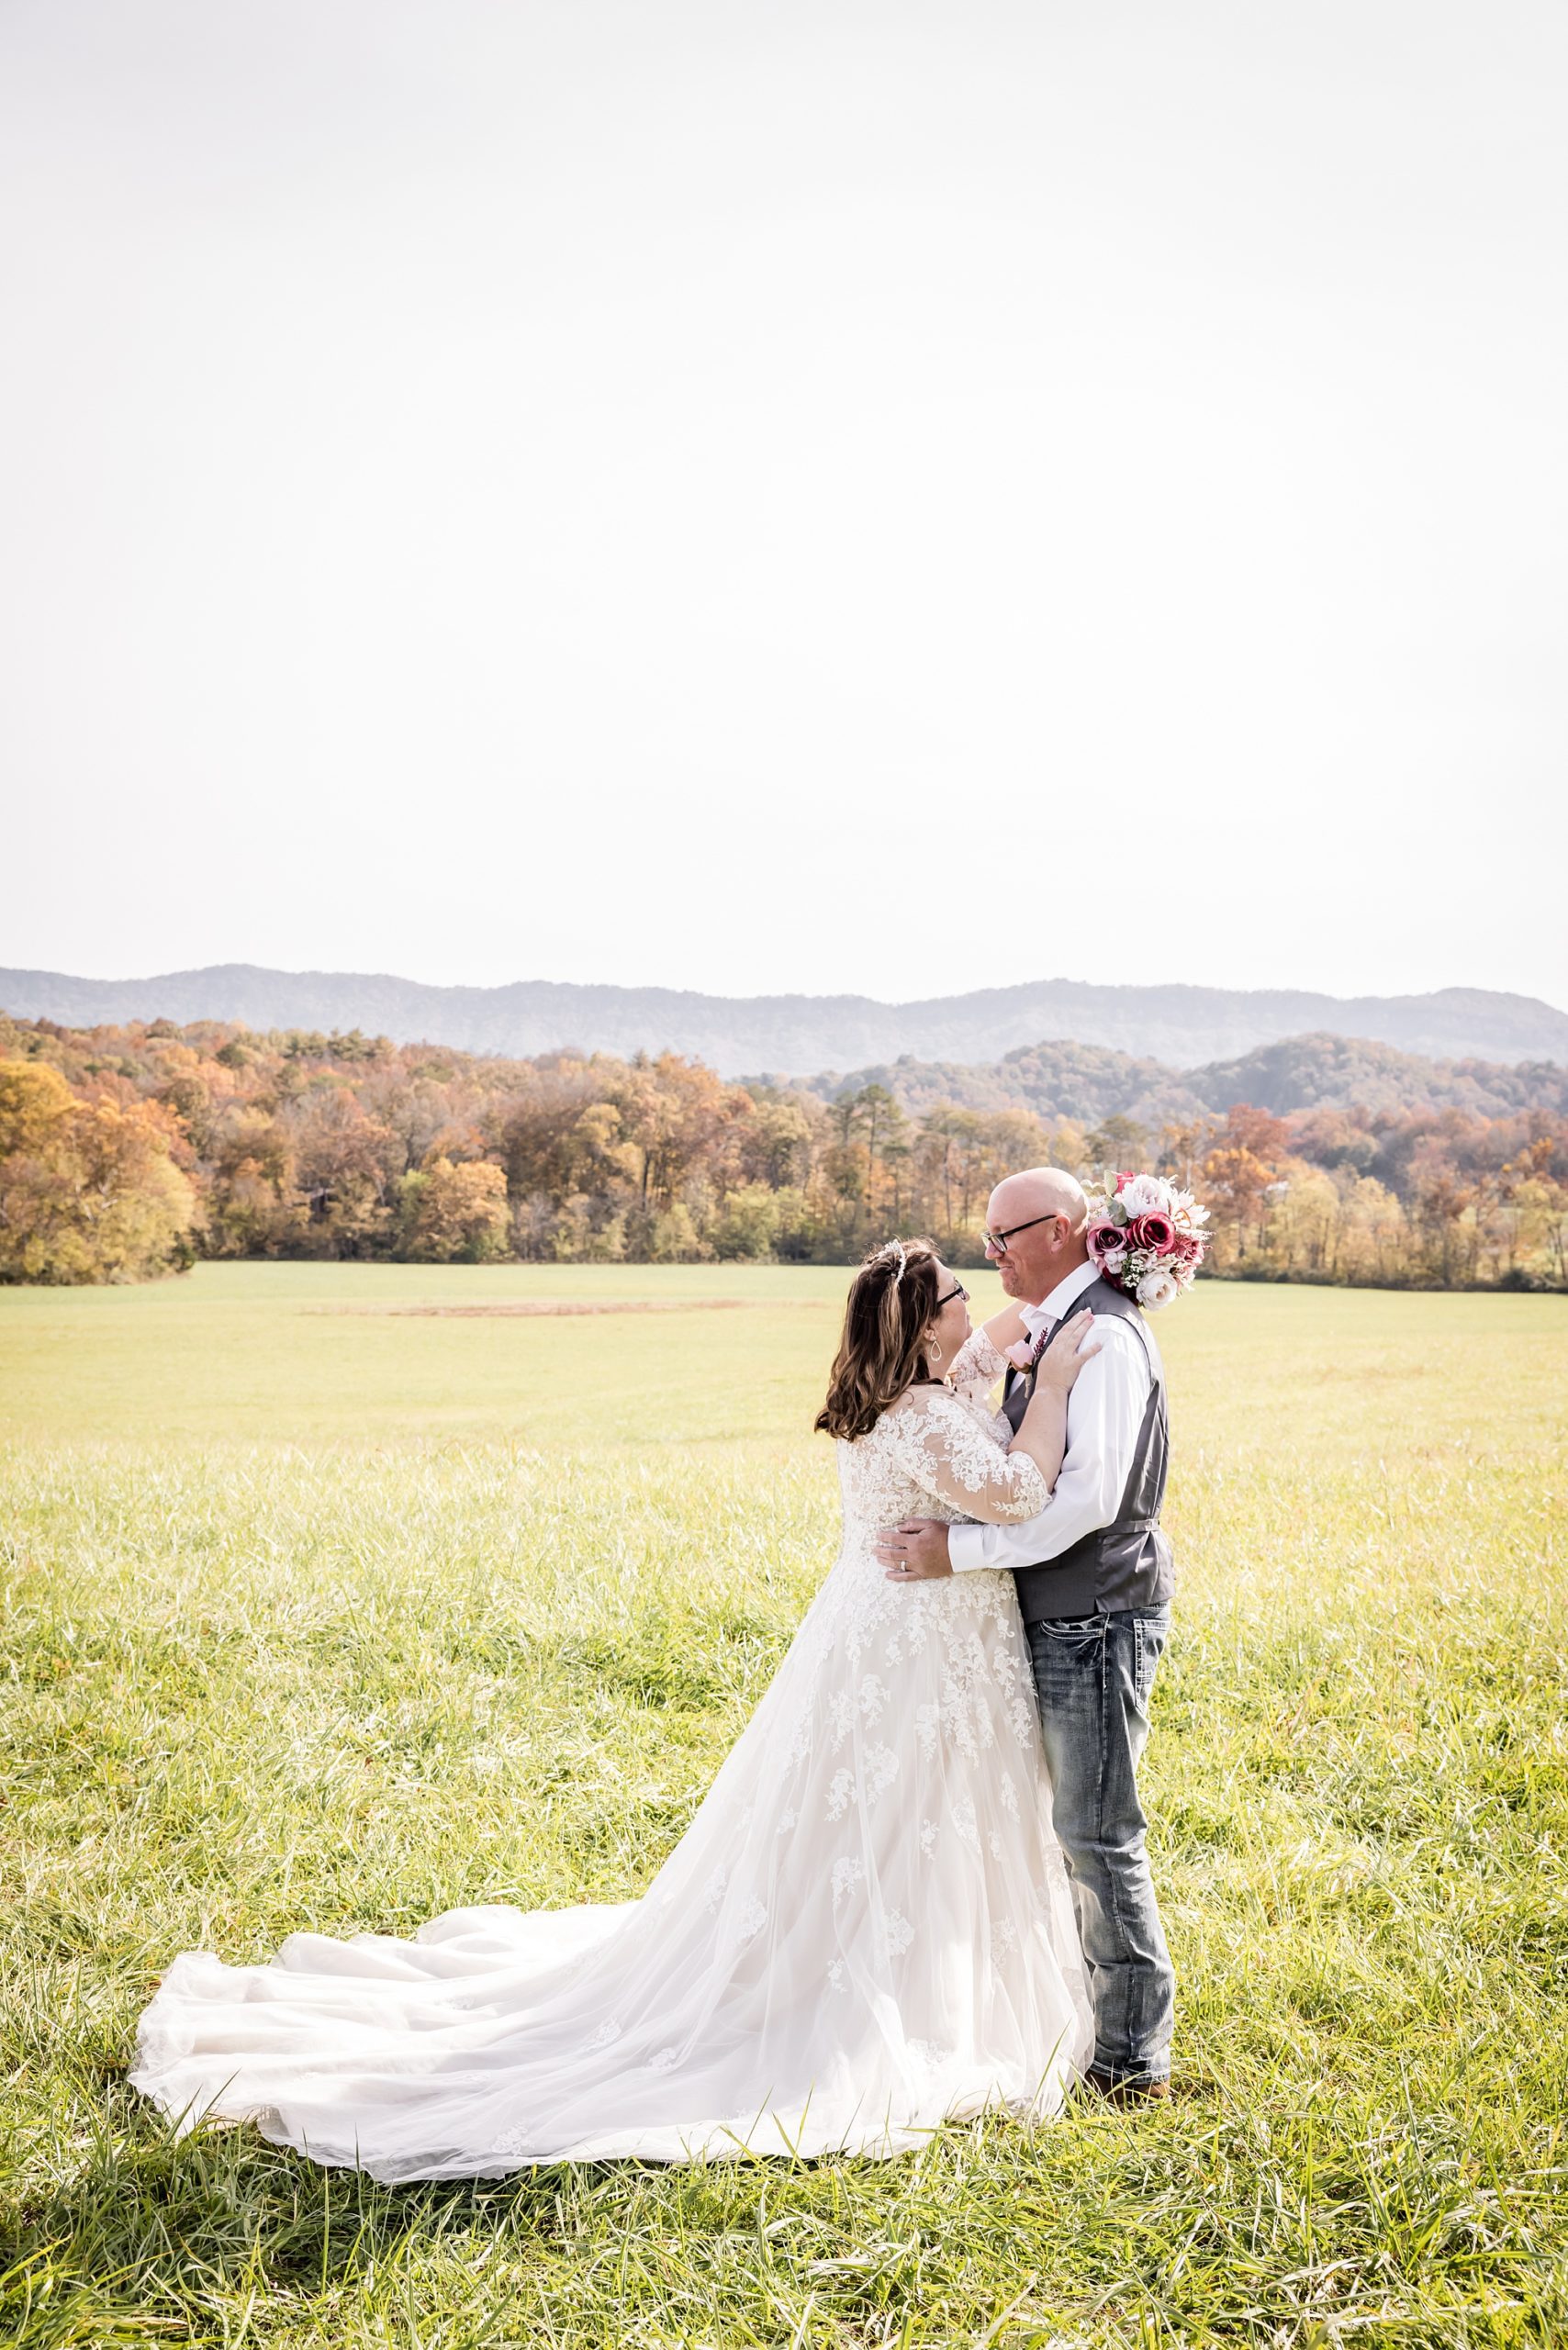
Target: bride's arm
x=951 y=1452
x=947 y=1450
x=982 y=1359
x=976 y=1366
x=1005 y=1329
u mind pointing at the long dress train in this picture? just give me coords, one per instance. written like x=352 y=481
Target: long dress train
x=865 y=1930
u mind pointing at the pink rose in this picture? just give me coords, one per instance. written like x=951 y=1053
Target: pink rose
x=1102 y=1236
x=1189 y=1249
x=1153 y=1231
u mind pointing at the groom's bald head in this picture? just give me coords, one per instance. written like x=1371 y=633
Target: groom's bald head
x=1040 y=1191
x=1049 y=1205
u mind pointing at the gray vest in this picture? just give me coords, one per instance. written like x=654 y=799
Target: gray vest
x=1127 y=1563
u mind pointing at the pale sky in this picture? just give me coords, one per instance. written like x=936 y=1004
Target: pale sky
x=811 y=496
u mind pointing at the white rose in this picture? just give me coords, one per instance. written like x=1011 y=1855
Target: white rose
x=1155 y=1289
x=1147 y=1195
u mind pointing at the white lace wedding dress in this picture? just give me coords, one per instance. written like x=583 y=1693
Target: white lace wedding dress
x=863 y=1931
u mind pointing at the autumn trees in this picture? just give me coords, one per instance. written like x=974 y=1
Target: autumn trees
x=1433 y=1200
x=455 y=1211
x=125 y=1151
x=90 y=1190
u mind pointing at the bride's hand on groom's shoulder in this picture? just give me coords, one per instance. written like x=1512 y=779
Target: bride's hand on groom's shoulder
x=1065 y=1357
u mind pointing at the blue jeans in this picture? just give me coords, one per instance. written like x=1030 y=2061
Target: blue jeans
x=1094 y=1675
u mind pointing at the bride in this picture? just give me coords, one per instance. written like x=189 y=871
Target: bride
x=865 y=1930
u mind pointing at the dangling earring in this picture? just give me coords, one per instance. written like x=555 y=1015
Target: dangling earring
x=933 y=1353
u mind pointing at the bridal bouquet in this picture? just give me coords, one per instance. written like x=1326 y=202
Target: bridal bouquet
x=1147 y=1236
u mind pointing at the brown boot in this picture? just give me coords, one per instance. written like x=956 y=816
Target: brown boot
x=1112 y=2091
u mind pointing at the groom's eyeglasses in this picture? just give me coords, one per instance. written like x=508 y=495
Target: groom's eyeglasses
x=997 y=1241
x=958 y=1290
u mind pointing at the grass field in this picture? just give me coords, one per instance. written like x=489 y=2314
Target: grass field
x=330 y=1605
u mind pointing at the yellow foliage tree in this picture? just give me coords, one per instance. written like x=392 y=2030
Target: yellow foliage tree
x=89 y=1190
x=458 y=1210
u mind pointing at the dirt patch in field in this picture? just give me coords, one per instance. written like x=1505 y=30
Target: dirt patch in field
x=581 y=1305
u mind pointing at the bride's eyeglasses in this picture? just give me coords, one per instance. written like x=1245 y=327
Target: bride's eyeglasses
x=958 y=1290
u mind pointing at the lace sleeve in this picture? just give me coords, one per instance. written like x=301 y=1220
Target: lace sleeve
x=946 y=1450
x=977 y=1366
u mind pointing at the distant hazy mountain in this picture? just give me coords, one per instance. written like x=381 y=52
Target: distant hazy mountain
x=1088 y=1084
x=1338 y=1072
x=792 y=1035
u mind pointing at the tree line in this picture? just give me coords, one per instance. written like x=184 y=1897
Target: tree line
x=129 y=1151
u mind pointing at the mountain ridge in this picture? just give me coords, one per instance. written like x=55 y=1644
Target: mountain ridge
x=1088 y=1084
x=797 y=1035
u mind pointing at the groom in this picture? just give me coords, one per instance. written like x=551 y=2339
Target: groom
x=1094 y=1577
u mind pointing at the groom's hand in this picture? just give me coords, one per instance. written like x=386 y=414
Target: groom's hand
x=915 y=1551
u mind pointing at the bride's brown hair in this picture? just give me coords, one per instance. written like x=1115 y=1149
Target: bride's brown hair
x=892 y=1304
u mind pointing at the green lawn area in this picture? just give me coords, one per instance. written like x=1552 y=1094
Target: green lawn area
x=332 y=1602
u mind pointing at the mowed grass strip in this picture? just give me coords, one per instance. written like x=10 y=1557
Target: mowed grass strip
x=282 y=1656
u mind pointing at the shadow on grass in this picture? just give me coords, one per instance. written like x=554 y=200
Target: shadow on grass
x=158 y=2239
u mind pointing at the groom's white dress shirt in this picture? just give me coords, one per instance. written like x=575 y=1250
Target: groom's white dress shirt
x=1104 y=1411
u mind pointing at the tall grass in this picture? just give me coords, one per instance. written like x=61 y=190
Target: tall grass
x=261 y=1677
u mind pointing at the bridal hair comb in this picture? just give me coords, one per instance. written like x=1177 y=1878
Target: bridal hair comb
x=891 y=1252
